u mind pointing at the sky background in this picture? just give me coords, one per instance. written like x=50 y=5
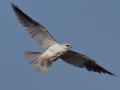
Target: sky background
x=92 y=27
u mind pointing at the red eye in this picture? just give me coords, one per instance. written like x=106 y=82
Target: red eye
x=67 y=45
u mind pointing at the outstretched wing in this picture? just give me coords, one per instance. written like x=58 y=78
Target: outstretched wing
x=34 y=29
x=81 y=61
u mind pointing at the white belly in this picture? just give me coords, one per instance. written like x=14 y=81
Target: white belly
x=53 y=56
x=54 y=52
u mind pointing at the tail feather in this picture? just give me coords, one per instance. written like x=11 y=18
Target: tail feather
x=38 y=61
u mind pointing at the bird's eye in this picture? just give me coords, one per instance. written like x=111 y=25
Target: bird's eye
x=67 y=45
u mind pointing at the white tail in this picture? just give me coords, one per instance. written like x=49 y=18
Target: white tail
x=38 y=61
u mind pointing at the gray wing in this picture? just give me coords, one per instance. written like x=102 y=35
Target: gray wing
x=34 y=29
x=81 y=61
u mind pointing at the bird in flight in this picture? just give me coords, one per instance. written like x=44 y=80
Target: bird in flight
x=41 y=61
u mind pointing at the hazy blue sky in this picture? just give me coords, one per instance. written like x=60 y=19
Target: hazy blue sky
x=92 y=27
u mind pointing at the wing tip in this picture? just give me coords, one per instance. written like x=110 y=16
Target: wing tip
x=112 y=74
x=13 y=5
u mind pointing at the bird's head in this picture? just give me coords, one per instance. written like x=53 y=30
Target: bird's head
x=66 y=46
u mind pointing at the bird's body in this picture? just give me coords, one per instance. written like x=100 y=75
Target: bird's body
x=56 y=51
x=41 y=61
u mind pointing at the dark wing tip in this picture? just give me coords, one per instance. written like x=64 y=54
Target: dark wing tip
x=93 y=66
x=112 y=74
x=23 y=18
x=13 y=5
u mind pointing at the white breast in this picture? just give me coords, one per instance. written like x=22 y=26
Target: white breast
x=54 y=52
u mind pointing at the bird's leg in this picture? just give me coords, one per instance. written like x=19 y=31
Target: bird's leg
x=47 y=58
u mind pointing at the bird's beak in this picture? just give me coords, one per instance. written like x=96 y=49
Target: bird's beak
x=70 y=46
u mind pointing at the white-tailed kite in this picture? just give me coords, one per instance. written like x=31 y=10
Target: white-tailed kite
x=41 y=61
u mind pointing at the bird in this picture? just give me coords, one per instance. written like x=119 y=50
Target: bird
x=41 y=61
